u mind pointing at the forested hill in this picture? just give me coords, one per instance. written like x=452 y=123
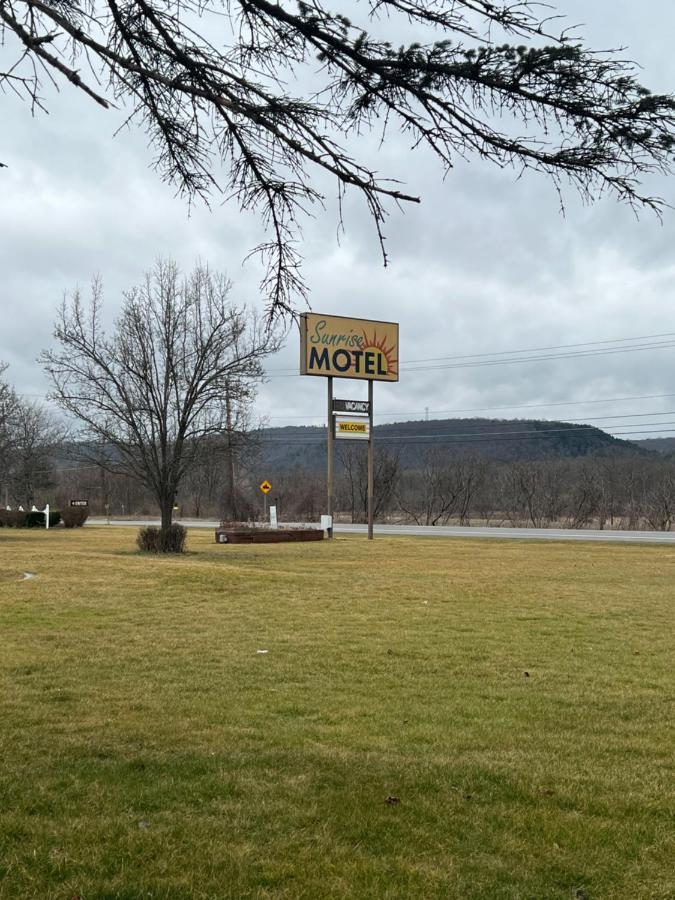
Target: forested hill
x=304 y=447
x=658 y=445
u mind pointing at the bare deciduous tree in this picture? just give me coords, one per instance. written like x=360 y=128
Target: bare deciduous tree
x=660 y=500
x=353 y=458
x=205 y=479
x=29 y=435
x=154 y=389
x=209 y=87
x=585 y=500
x=301 y=494
x=9 y=404
x=37 y=435
x=431 y=494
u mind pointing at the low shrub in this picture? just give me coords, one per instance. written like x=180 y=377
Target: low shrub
x=157 y=540
x=74 y=517
x=34 y=520
x=12 y=518
x=147 y=539
x=18 y=518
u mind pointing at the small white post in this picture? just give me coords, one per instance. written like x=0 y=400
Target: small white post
x=47 y=516
x=327 y=524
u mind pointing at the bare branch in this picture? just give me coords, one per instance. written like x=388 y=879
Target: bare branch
x=222 y=120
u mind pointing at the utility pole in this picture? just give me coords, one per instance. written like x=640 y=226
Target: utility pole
x=329 y=444
x=371 y=479
x=232 y=495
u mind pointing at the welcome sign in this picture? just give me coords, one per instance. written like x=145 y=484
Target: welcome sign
x=347 y=428
x=348 y=348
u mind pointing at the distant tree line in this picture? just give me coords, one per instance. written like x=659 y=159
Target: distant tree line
x=30 y=437
x=586 y=492
x=222 y=471
x=632 y=493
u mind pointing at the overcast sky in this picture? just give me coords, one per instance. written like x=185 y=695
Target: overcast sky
x=485 y=264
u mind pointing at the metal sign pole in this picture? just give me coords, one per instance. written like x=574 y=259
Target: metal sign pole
x=329 y=444
x=370 y=462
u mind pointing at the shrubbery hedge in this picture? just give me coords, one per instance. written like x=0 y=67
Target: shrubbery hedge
x=37 y=519
x=12 y=518
x=153 y=540
x=74 y=517
x=17 y=518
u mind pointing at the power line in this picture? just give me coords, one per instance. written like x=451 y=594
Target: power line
x=643 y=337
x=440 y=412
x=445 y=412
x=470 y=409
x=434 y=439
x=519 y=437
x=603 y=350
x=478 y=439
x=668 y=345
x=490 y=363
x=588 y=422
x=319 y=438
x=484 y=360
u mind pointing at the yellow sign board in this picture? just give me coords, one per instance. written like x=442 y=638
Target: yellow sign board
x=348 y=348
x=352 y=429
x=265 y=487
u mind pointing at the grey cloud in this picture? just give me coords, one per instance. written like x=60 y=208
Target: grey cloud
x=486 y=262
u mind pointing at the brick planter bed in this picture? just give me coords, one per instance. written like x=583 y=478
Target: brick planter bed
x=267 y=535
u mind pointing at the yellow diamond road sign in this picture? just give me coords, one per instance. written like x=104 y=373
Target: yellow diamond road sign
x=265 y=487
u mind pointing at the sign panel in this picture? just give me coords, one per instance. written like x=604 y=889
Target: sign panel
x=265 y=487
x=348 y=348
x=79 y=503
x=356 y=407
x=349 y=428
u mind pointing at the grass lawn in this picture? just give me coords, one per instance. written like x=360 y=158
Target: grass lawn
x=515 y=698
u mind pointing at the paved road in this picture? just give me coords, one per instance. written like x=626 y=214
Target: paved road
x=527 y=534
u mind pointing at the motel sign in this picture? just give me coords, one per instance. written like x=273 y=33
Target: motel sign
x=340 y=347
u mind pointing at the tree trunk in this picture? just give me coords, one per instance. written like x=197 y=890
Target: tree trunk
x=232 y=492
x=167 y=513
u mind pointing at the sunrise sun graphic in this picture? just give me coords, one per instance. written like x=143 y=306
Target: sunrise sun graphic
x=387 y=362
